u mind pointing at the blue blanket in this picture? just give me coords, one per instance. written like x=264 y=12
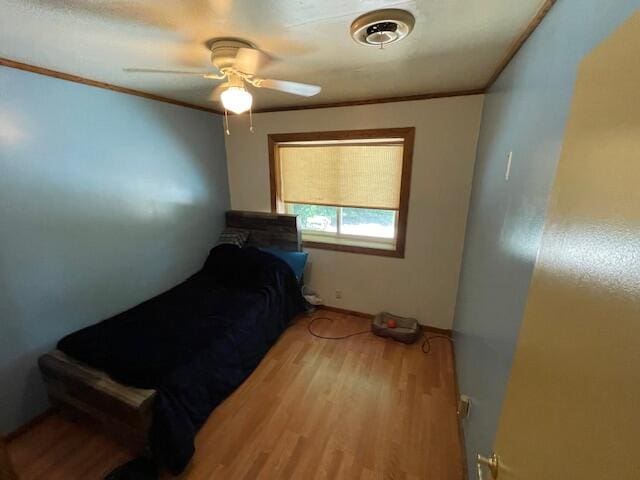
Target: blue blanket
x=196 y=343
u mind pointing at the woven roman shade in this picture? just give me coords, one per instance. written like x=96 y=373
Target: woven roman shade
x=354 y=175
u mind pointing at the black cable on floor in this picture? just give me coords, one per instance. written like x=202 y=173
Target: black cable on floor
x=332 y=338
x=427 y=340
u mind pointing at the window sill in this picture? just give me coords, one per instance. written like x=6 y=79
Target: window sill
x=338 y=244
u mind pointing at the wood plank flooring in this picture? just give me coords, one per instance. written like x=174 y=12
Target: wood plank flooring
x=6 y=468
x=361 y=408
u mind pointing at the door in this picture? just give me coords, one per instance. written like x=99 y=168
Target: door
x=571 y=406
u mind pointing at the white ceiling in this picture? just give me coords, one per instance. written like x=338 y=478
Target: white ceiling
x=456 y=44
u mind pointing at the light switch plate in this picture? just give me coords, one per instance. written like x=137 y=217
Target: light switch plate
x=507 y=173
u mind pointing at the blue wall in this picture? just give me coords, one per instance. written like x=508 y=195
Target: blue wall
x=105 y=200
x=525 y=112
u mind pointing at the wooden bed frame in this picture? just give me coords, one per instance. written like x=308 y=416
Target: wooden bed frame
x=90 y=395
x=268 y=229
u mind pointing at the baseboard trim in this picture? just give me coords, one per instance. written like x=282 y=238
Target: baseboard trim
x=343 y=311
x=437 y=331
x=29 y=425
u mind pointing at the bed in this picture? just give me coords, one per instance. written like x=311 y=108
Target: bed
x=152 y=375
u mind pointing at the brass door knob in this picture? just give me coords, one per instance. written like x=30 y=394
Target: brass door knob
x=492 y=463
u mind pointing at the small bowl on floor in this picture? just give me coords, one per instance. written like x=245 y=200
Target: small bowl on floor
x=407 y=330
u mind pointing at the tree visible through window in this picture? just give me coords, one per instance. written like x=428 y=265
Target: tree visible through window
x=362 y=222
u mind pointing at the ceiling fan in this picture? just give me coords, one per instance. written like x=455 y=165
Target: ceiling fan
x=238 y=62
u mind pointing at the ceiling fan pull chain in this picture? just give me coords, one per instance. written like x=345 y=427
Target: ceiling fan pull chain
x=250 y=120
x=226 y=122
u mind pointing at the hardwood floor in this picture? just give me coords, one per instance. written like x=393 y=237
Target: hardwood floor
x=6 y=468
x=361 y=408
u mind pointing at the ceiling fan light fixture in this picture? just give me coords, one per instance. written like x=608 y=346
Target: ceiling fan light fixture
x=236 y=99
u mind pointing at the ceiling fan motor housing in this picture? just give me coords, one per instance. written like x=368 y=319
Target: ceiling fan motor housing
x=225 y=49
x=382 y=27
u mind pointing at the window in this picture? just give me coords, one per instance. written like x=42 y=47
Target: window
x=350 y=189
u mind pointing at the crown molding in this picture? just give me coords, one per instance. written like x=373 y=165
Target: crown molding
x=94 y=83
x=372 y=101
x=517 y=44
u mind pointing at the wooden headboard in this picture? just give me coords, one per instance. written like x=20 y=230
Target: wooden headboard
x=268 y=229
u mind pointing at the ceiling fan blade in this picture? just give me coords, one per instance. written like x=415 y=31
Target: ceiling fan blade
x=177 y=72
x=251 y=60
x=302 y=89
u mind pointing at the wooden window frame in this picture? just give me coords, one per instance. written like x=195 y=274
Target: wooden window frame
x=407 y=135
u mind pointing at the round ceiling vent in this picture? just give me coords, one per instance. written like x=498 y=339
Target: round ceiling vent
x=382 y=27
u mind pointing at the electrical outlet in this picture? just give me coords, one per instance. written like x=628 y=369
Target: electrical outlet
x=464 y=406
x=338 y=294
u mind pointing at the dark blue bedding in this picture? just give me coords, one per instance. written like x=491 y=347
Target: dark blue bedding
x=196 y=343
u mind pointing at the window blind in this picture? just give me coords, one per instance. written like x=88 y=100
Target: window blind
x=356 y=175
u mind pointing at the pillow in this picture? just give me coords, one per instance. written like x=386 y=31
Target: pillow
x=296 y=260
x=233 y=236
